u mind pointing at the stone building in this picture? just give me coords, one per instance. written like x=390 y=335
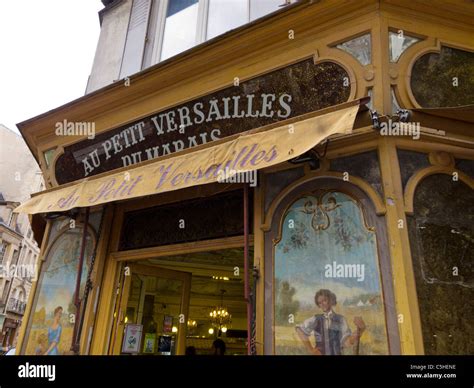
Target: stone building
x=19 y=177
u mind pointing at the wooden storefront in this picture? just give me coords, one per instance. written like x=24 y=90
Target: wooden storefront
x=372 y=195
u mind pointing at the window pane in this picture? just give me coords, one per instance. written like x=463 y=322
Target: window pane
x=398 y=43
x=442 y=244
x=180 y=27
x=444 y=79
x=259 y=8
x=48 y=156
x=360 y=48
x=224 y=15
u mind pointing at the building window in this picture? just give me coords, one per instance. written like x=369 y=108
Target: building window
x=10 y=218
x=15 y=257
x=180 y=27
x=3 y=248
x=259 y=8
x=177 y=25
x=190 y=22
x=6 y=290
x=226 y=15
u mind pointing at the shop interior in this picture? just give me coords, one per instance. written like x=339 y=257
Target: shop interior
x=200 y=293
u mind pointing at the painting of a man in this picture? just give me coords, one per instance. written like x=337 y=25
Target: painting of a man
x=331 y=331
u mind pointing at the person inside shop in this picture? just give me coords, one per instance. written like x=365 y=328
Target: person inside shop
x=218 y=347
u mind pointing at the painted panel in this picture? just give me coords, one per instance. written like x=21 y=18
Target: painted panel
x=327 y=285
x=52 y=321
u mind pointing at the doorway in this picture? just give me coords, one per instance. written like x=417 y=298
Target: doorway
x=153 y=303
x=165 y=304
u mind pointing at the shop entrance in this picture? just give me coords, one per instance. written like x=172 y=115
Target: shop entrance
x=166 y=305
x=139 y=329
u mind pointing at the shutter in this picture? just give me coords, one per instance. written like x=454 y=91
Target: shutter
x=136 y=35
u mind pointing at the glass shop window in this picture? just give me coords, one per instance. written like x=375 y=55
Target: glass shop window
x=327 y=285
x=442 y=244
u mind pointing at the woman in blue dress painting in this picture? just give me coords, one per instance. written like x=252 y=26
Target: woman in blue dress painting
x=54 y=333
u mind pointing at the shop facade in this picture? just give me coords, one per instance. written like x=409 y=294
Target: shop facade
x=356 y=162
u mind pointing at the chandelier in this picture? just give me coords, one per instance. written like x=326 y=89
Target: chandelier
x=219 y=316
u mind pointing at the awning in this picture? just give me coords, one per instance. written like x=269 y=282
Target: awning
x=460 y=113
x=218 y=161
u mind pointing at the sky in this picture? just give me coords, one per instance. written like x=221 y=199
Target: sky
x=46 y=52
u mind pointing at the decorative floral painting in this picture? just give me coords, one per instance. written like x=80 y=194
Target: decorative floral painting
x=52 y=323
x=328 y=297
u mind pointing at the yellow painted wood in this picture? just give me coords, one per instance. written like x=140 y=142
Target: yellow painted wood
x=108 y=294
x=259 y=263
x=459 y=149
x=97 y=274
x=119 y=319
x=182 y=248
x=406 y=300
x=416 y=178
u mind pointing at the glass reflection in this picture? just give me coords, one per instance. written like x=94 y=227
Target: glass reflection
x=398 y=43
x=225 y=15
x=360 y=48
x=180 y=27
x=259 y=8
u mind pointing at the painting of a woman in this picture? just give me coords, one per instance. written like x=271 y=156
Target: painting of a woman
x=54 y=333
x=48 y=333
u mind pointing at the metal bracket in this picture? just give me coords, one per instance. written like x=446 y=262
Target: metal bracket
x=375 y=119
x=403 y=115
x=313 y=157
x=255 y=272
x=72 y=213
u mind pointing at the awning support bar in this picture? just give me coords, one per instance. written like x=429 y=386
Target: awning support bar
x=77 y=299
x=246 y=269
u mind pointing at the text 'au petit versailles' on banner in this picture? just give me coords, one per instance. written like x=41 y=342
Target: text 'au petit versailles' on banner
x=247 y=152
